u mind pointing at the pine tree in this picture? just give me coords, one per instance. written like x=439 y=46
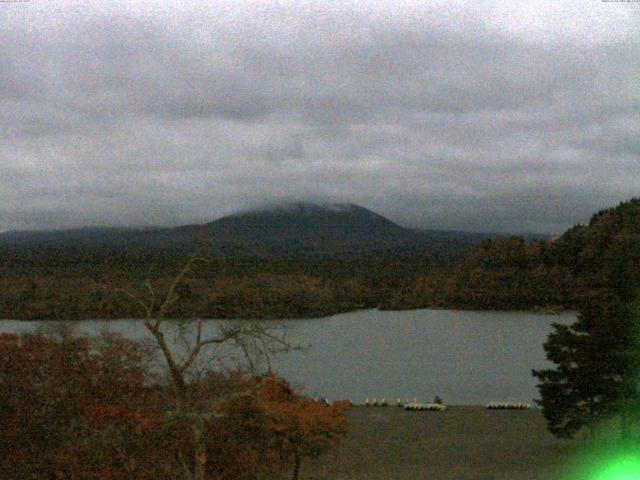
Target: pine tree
x=597 y=361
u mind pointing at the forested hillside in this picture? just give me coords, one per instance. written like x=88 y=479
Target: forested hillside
x=85 y=280
x=559 y=273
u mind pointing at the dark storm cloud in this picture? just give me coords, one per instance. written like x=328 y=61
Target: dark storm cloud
x=497 y=116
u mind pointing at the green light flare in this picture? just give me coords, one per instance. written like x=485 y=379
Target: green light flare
x=625 y=467
x=604 y=458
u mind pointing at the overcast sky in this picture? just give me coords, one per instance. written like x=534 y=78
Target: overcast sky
x=487 y=115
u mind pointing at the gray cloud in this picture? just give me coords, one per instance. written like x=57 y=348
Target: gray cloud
x=497 y=116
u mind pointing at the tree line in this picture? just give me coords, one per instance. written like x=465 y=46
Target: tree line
x=504 y=274
x=507 y=273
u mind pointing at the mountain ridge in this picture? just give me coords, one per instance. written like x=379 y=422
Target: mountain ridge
x=297 y=227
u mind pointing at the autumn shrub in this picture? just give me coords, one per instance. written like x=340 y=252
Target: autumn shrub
x=62 y=397
x=78 y=408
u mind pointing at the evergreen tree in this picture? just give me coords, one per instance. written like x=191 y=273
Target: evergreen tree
x=597 y=361
x=597 y=357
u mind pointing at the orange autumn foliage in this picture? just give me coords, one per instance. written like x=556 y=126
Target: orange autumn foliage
x=306 y=427
x=77 y=408
x=72 y=408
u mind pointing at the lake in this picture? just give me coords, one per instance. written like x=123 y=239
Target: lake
x=464 y=357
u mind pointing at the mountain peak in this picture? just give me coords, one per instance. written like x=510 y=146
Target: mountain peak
x=309 y=226
x=301 y=207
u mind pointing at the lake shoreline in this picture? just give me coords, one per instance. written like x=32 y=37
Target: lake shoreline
x=465 y=357
x=536 y=311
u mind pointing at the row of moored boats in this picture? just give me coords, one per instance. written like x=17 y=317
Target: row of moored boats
x=507 y=406
x=438 y=406
x=407 y=405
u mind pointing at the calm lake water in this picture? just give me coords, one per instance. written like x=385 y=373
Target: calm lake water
x=464 y=357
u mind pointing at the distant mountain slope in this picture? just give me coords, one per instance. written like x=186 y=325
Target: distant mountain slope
x=292 y=228
x=97 y=235
x=307 y=228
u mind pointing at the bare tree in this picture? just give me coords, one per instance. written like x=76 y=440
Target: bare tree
x=255 y=341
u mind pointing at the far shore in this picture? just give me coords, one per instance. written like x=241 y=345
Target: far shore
x=537 y=311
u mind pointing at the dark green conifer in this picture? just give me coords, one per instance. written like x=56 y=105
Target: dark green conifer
x=596 y=361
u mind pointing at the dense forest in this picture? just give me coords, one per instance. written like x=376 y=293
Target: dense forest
x=58 y=281
x=559 y=273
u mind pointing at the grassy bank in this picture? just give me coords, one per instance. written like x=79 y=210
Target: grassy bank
x=462 y=443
